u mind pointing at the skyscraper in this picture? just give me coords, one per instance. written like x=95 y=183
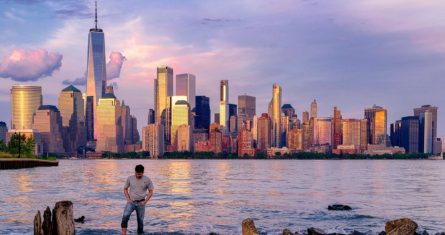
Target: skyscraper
x=395 y=133
x=245 y=143
x=409 y=134
x=163 y=89
x=288 y=110
x=25 y=100
x=263 y=132
x=96 y=73
x=224 y=104
x=109 y=125
x=48 y=122
x=314 y=109
x=351 y=129
x=183 y=138
x=71 y=107
x=427 y=134
x=202 y=111
x=246 y=106
x=186 y=86
x=336 y=129
x=275 y=115
x=180 y=115
x=295 y=139
x=215 y=138
x=153 y=140
x=377 y=125
x=322 y=131
x=151 y=116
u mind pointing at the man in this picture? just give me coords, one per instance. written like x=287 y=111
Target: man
x=135 y=191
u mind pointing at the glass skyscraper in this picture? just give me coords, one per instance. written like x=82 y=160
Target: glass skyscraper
x=25 y=100
x=96 y=72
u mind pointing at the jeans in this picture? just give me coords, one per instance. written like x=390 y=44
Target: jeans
x=140 y=211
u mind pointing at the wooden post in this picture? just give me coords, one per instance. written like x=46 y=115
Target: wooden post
x=63 y=220
x=38 y=224
x=248 y=227
x=47 y=223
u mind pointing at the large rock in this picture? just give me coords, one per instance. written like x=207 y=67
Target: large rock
x=47 y=223
x=402 y=226
x=287 y=232
x=248 y=227
x=63 y=220
x=339 y=207
x=315 y=231
x=38 y=224
x=357 y=233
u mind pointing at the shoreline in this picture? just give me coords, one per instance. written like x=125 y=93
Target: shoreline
x=19 y=163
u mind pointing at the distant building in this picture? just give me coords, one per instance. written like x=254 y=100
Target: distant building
x=186 y=86
x=202 y=111
x=314 y=110
x=409 y=133
x=336 y=128
x=215 y=138
x=153 y=140
x=428 y=127
x=322 y=131
x=224 y=104
x=245 y=143
x=3 y=131
x=308 y=134
x=151 y=116
x=275 y=115
x=305 y=116
x=216 y=117
x=109 y=121
x=71 y=107
x=25 y=100
x=180 y=116
x=246 y=106
x=163 y=89
x=377 y=125
x=48 y=122
x=272 y=152
x=395 y=133
x=184 y=138
x=295 y=139
x=288 y=110
x=264 y=132
x=233 y=124
x=352 y=133
x=285 y=127
x=383 y=149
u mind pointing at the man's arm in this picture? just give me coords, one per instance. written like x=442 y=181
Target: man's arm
x=127 y=195
x=149 y=195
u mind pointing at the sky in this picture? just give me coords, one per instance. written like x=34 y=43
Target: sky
x=345 y=53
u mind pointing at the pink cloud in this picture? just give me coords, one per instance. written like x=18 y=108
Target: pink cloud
x=114 y=66
x=22 y=65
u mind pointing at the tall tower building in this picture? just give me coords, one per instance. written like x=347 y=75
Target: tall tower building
x=180 y=115
x=246 y=106
x=109 y=125
x=336 y=129
x=25 y=100
x=322 y=131
x=151 y=116
x=409 y=134
x=48 y=122
x=71 y=107
x=224 y=104
x=264 y=132
x=377 y=125
x=96 y=73
x=153 y=139
x=275 y=115
x=427 y=128
x=163 y=90
x=314 y=109
x=202 y=111
x=186 y=86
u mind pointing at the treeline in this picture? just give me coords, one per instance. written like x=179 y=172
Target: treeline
x=19 y=146
x=131 y=155
x=300 y=155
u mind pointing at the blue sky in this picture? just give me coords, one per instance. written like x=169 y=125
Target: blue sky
x=347 y=53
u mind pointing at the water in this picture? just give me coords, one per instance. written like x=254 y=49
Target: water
x=202 y=196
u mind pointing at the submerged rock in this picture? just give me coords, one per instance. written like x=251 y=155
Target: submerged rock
x=248 y=227
x=315 y=231
x=357 y=233
x=80 y=219
x=287 y=232
x=382 y=233
x=402 y=226
x=339 y=207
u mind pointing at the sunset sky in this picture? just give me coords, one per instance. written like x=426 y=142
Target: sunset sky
x=347 y=53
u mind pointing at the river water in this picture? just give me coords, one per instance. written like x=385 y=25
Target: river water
x=202 y=196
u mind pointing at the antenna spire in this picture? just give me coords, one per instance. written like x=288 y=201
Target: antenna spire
x=95 y=13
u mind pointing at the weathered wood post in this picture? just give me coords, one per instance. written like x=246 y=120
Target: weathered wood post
x=63 y=219
x=38 y=224
x=249 y=227
x=47 y=223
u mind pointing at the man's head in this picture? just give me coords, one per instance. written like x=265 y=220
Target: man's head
x=139 y=171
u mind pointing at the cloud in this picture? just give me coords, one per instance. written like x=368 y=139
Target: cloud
x=22 y=65
x=114 y=66
x=82 y=81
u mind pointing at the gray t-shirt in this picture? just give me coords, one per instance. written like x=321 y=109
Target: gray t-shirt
x=138 y=187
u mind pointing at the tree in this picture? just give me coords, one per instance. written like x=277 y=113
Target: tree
x=20 y=145
x=3 y=147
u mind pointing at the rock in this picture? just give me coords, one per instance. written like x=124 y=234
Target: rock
x=357 y=233
x=402 y=226
x=47 y=223
x=287 y=232
x=80 y=219
x=63 y=221
x=382 y=233
x=248 y=227
x=425 y=233
x=38 y=224
x=339 y=207
x=315 y=231
x=442 y=233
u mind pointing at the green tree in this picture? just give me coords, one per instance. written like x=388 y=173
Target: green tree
x=3 y=147
x=20 y=145
x=29 y=146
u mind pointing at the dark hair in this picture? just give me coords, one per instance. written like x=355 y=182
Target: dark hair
x=139 y=169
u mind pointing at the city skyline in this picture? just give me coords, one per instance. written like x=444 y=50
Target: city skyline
x=136 y=76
